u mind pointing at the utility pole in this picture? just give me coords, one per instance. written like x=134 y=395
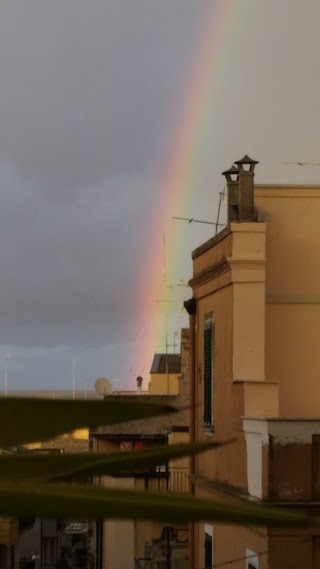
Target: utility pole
x=73 y=379
x=166 y=310
x=5 y=373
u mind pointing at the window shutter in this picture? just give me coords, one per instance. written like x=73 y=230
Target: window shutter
x=208 y=369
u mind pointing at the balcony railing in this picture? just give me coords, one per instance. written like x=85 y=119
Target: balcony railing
x=164 y=479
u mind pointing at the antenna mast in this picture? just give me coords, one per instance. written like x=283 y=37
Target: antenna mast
x=166 y=310
x=73 y=379
x=5 y=373
x=221 y=198
x=301 y=163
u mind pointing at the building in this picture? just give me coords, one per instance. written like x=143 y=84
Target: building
x=254 y=371
x=141 y=544
x=165 y=373
x=49 y=543
x=9 y=535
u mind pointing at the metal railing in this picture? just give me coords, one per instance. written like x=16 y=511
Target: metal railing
x=164 y=479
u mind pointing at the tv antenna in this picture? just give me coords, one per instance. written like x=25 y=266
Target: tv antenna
x=193 y=220
x=103 y=386
x=175 y=343
x=216 y=223
x=6 y=359
x=166 y=302
x=302 y=163
x=73 y=379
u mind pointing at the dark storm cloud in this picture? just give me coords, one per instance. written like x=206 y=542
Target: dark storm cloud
x=87 y=86
x=89 y=94
x=86 y=90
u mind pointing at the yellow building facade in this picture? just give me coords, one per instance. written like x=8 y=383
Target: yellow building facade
x=254 y=318
x=165 y=374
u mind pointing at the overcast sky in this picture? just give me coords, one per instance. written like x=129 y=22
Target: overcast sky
x=87 y=94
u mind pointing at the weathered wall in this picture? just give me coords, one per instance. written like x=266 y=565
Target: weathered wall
x=293 y=552
x=145 y=532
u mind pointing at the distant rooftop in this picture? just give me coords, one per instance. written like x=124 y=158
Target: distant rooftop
x=163 y=363
x=54 y=394
x=68 y=394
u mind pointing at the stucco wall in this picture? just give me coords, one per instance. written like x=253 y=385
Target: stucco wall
x=119 y=536
x=215 y=299
x=292 y=295
x=231 y=542
x=164 y=384
x=294 y=552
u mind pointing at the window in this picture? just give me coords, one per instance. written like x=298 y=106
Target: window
x=208 y=547
x=252 y=560
x=208 y=373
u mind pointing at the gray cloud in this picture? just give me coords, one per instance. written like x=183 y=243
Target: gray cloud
x=88 y=97
x=80 y=143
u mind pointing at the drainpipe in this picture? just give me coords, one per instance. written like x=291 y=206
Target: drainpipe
x=191 y=306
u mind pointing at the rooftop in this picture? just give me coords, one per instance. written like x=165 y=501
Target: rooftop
x=54 y=394
x=166 y=363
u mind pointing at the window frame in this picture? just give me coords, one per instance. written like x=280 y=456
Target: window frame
x=252 y=559
x=208 y=531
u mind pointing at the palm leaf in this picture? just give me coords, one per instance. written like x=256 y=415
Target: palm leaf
x=55 y=467
x=59 y=501
x=29 y=419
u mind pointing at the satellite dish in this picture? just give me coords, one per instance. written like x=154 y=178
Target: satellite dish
x=103 y=386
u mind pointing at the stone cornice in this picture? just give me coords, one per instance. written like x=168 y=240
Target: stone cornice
x=246 y=262
x=293 y=298
x=247 y=269
x=210 y=273
x=233 y=264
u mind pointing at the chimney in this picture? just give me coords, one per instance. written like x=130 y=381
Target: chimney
x=233 y=193
x=139 y=384
x=240 y=186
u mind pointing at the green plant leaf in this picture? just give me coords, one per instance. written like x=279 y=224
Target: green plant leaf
x=59 y=501
x=65 y=466
x=24 y=420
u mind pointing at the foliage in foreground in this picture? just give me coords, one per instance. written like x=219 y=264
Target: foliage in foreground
x=35 y=485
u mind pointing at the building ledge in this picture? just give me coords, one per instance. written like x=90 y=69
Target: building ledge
x=223 y=488
x=285 y=419
x=209 y=273
x=257 y=381
x=211 y=242
x=240 y=495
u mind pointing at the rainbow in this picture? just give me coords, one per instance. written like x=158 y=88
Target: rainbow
x=181 y=167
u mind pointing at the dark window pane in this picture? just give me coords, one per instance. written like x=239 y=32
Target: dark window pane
x=208 y=551
x=208 y=372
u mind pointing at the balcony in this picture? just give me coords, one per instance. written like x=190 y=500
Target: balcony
x=283 y=459
x=164 y=479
